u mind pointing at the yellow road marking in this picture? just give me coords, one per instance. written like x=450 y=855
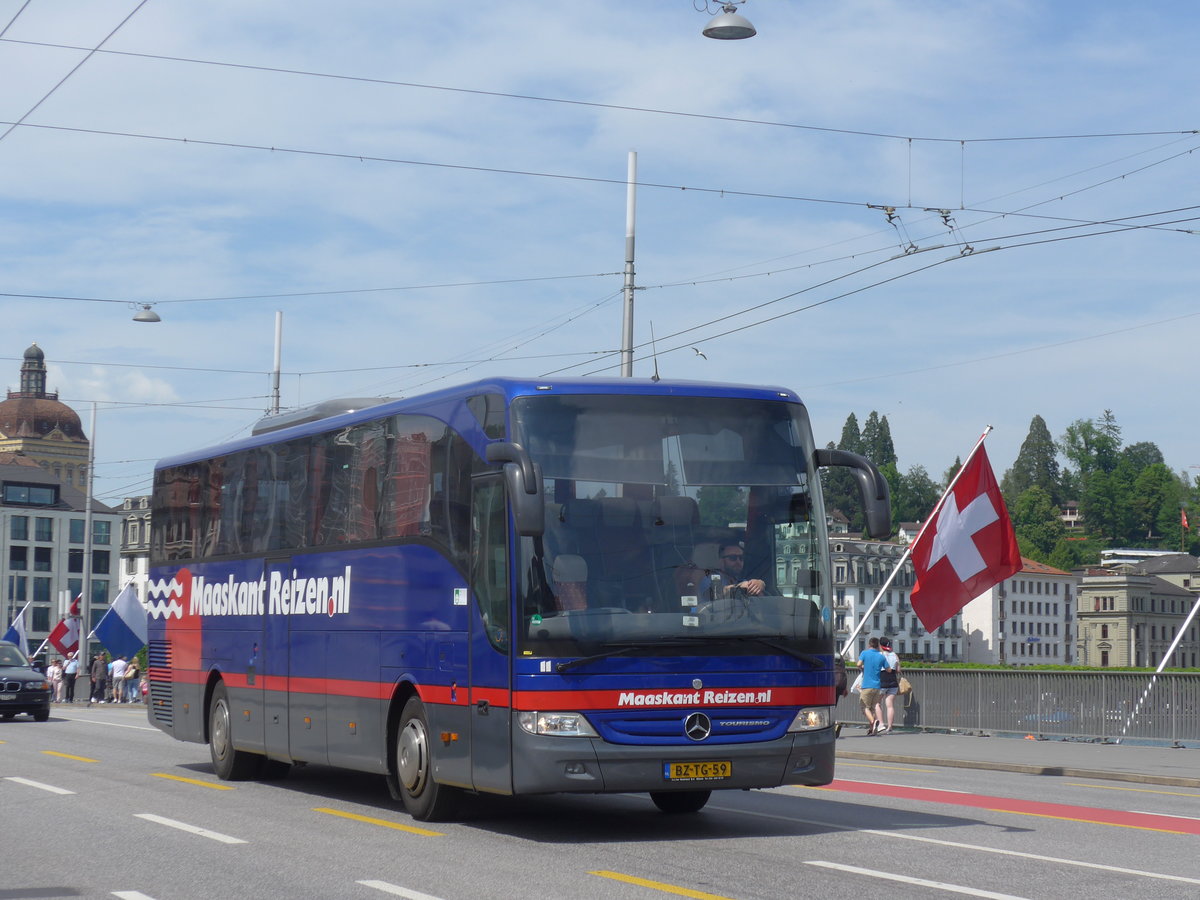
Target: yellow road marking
x=1106 y=787
x=659 y=886
x=1015 y=812
x=207 y=784
x=69 y=756
x=384 y=823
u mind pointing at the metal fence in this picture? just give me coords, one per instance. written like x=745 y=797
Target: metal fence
x=1064 y=704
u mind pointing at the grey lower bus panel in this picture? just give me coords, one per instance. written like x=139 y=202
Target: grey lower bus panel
x=582 y=765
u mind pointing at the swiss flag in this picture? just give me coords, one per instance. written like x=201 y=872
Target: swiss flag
x=65 y=636
x=967 y=548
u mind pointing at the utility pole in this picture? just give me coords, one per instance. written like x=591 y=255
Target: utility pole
x=630 y=214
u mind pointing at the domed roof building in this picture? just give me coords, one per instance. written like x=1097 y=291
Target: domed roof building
x=35 y=424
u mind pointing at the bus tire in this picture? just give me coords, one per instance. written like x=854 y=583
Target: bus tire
x=228 y=763
x=677 y=802
x=424 y=798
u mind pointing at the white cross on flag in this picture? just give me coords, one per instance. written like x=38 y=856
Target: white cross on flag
x=967 y=548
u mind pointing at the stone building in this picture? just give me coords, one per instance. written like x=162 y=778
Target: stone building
x=35 y=424
x=1129 y=617
x=1024 y=620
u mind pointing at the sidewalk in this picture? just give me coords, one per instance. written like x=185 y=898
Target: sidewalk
x=1012 y=753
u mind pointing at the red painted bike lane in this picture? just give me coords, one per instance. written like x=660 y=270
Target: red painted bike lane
x=1090 y=814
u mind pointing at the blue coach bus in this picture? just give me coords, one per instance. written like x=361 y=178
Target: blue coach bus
x=510 y=587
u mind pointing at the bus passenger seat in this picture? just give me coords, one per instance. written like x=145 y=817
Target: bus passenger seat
x=570 y=581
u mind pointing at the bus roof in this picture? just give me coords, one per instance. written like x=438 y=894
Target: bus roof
x=439 y=404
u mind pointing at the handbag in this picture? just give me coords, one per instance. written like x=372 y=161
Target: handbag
x=857 y=686
x=905 y=685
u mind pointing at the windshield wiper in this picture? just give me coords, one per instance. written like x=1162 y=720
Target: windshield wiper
x=623 y=649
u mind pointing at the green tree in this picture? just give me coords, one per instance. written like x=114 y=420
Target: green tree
x=876 y=440
x=1154 y=503
x=1036 y=523
x=1036 y=464
x=721 y=505
x=840 y=488
x=913 y=493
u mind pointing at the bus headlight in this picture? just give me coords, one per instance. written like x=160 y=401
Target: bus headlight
x=812 y=718
x=563 y=724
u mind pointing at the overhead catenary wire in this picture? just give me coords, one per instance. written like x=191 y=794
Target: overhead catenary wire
x=613 y=106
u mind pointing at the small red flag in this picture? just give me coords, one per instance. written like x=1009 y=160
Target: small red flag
x=65 y=636
x=969 y=547
x=1183 y=520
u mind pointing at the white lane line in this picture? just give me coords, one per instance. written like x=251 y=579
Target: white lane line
x=37 y=784
x=1165 y=815
x=191 y=829
x=397 y=890
x=110 y=724
x=132 y=895
x=919 y=882
x=891 y=784
x=961 y=846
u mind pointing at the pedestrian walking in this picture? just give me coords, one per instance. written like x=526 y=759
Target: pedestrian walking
x=116 y=679
x=70 y=673
x=54 y=674
x=129 y=684
x=99 y=676
x=871 y=662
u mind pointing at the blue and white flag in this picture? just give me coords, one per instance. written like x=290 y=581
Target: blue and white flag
x=122 y=631
x=16 y=631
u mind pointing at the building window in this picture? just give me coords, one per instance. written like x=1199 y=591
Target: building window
x=100 y=562
x=1104 y=632
x=77 y=531
x=41 y=617
x=17 y=558
x=41 y=593
x=74 y=560
x=43 y=529
x=42 y=558
x=99 y=596
x=19 y=528
x=132 y=531
x=102 y=532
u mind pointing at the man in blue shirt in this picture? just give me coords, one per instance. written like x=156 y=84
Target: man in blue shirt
x=871 y=662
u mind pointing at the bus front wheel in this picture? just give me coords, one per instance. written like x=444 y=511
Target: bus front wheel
x=228 y=763
x=423 y=797
x=680 y=801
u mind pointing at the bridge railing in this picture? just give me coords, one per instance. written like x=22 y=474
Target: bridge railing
x=1086 y=704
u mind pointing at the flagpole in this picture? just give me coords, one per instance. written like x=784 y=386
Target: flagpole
x=1162 y=665
x=908 y=550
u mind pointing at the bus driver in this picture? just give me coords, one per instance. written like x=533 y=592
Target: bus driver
x=733 y=563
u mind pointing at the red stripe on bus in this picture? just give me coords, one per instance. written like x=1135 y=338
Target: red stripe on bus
x=671 y=698
x=638 y=698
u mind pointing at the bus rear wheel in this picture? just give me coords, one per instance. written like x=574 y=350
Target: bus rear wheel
x=424 y=798
x=676 y=802
x=228 y=763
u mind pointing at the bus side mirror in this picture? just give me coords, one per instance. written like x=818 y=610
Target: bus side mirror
x=524 y=480
x=872 y=488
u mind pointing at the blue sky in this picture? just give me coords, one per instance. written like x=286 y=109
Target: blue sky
x=356 y=155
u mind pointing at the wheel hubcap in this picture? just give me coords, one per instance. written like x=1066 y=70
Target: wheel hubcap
x=220 y=730
x=412 y=756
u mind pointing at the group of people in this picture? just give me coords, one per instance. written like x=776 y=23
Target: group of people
x=117 y=680
x=880 y=683
x=62 y=674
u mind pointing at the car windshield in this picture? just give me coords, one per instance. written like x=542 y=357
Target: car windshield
x=678 y=524
x=11 y=655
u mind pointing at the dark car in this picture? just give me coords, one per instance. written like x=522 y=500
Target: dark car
x=22 y=688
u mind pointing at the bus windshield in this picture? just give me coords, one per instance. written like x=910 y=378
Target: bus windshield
x=671 y=522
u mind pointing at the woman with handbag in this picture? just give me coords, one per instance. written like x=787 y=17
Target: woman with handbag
x=889 y=678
